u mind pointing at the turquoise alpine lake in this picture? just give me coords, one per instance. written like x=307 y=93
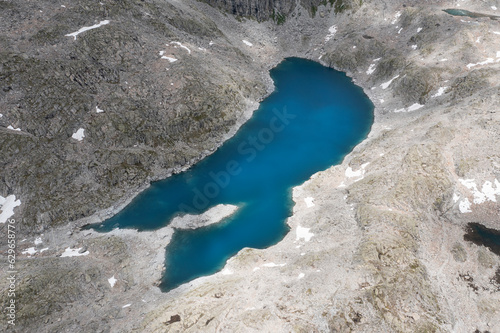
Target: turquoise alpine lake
x=463 y=12
x=315 y=116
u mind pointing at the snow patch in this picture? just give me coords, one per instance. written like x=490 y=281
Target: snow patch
x=97 y=110
x=30 y=251
x=182 y=46
x=12 y=128
x=332 y=31
x=76 y=33
x=494 y=7
x=79 y=135
x=479 y=197
x=456 y=197
x=440 y=92
x=112 y=281
x=415 y=106
x=414 y=46
x=388 y=83
x=399 y=31
x=411 y=108
x=349 y=173
x=304 y=233
x=170 y=59
x=38 y=241
x=464 y=206
x=227 y=271
x=68 y=252
x=126 y=306
x=488 y=191
x=396 y=16
x=309 y=202
x=469 y=183
x=381 y=101
x=301 y=276
x=7 y=206
x=419 y=29
x=371 y=69
x=487 y=61
x=247 y=42
x=272 y=264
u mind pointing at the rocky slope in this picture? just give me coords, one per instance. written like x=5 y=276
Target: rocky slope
x=381 y=250
x=116 y=82
x=279 y=10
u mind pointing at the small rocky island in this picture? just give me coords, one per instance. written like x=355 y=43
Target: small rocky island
x=99 y=99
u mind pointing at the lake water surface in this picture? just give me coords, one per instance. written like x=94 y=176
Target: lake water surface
x=463 y=12
x=483 y=236
x=315 y=116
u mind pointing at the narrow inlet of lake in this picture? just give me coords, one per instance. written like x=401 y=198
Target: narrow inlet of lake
x=314 y=118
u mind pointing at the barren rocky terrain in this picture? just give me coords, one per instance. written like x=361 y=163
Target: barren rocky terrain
x=376 y=244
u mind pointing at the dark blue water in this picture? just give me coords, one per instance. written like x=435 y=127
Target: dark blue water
x=483 y=236
x=315 y=116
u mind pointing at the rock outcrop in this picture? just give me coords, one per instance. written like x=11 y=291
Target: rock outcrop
x=279 y=10
x=115 y=82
